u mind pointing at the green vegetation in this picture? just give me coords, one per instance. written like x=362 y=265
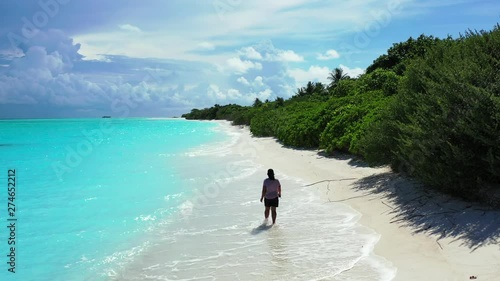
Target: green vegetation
x=429 y=108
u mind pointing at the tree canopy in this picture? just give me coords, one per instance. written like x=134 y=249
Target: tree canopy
x=429 y=108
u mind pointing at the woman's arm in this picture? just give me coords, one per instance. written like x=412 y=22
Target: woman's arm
x=279 y=190
x=264 y=190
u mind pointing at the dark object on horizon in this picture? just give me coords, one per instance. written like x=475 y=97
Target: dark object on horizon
x=106 y=116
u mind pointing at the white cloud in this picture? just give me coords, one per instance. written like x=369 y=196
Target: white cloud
x=288 y=89
x=352 y=72
x=250 y=53
x=233 y=94
x=11 y=53
x=290 y=56
x=258 y=81
x=314 y=73
x=243 y=81
x=36 y=58
x=206 y=46
x=262 y=95
x=319 y=74
x=217 y=95
x=265 y=94
x=296 y=21
x=329 y=55
x=44 y=78
x=188 y=88
x=45 y=75
x=214 y=92
x=242 y=66
x=129 y=27
x=285 y=56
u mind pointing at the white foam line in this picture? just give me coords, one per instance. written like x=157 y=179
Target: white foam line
x=155 y=266
x=222 y=148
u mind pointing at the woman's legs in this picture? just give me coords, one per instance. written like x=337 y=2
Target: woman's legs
x=274 y=214
x=266 y=212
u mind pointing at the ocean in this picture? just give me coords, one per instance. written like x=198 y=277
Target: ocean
x=163 y=199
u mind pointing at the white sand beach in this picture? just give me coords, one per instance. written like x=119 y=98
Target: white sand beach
x=426 y=235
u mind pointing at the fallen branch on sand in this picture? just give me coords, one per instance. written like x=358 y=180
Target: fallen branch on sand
x=439 y=244
x=387 y=205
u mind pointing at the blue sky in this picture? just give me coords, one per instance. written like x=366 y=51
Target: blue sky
x=160 y=58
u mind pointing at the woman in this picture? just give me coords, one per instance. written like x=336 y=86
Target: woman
x=271 y=190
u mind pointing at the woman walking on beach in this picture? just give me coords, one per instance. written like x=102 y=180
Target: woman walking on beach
x=271 y=190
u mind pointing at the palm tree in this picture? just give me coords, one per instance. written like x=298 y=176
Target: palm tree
x=336 y=75
x=257 y=103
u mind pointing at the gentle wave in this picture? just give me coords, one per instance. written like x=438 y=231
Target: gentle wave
x=223 y=237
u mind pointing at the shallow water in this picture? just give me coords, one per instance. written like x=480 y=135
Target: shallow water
x=220 y=234
x=168 y=200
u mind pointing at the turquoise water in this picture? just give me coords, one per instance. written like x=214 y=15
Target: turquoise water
x=87 y=189
x=166 y=199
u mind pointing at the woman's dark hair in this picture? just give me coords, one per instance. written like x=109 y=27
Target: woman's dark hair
x=270 y=174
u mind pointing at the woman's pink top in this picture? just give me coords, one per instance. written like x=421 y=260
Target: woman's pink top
x=271 y=188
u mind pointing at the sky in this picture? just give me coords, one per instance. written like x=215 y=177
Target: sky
x=161 y=58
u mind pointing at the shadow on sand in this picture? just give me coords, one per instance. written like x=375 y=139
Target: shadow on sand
x=261 y=228
x=352 y=159
x=430 y=212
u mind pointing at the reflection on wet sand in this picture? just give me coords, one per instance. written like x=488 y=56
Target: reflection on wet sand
x=278 y=250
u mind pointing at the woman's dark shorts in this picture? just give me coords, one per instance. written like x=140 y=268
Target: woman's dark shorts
x=271 y=202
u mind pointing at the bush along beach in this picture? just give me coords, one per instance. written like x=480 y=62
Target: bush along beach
x=429 y=108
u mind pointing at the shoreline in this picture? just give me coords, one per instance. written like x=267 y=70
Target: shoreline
x=425 y=234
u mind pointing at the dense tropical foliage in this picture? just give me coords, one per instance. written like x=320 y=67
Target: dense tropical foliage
x=429 y=108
